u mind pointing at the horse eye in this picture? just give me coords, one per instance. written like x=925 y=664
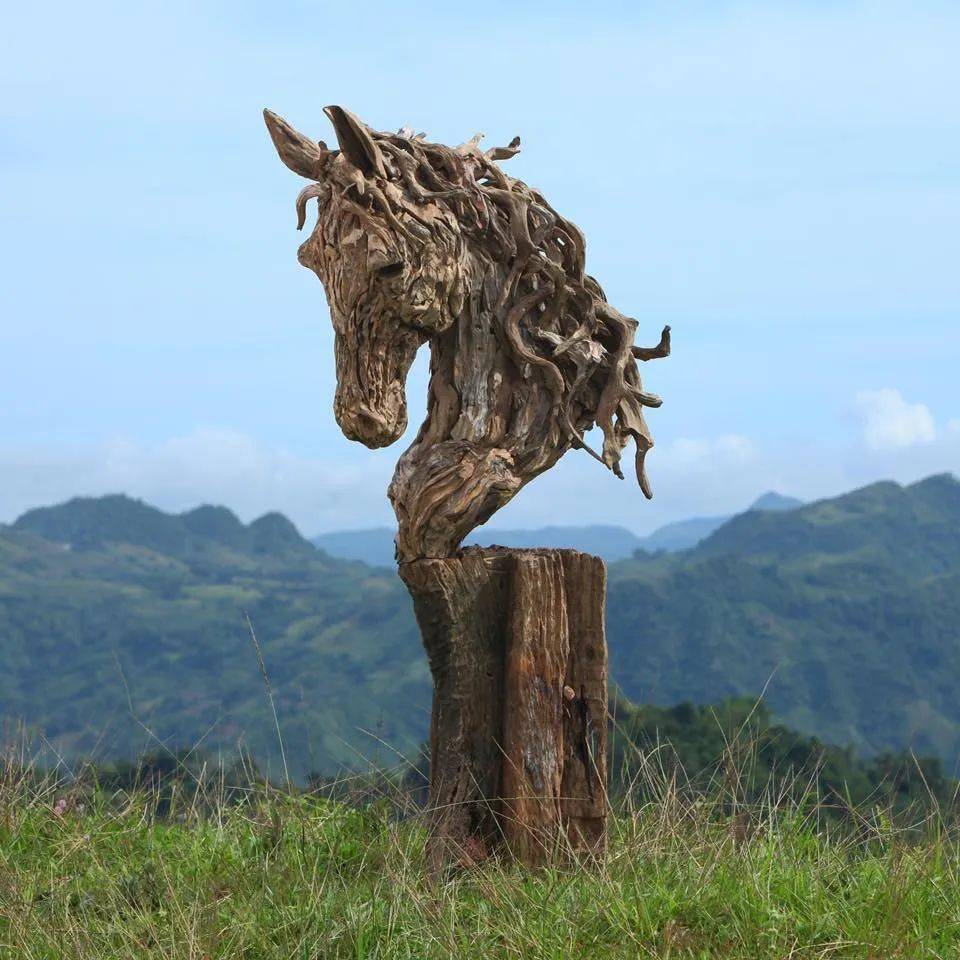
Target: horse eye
x=390 y=270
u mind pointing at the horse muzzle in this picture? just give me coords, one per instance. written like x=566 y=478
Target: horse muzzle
x=371 y=427
x=371 y=403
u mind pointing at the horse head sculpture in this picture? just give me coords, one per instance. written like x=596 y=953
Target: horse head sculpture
x=417 y=241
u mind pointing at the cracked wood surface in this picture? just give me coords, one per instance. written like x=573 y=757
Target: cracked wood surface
x=420 y=242
x=516 y=645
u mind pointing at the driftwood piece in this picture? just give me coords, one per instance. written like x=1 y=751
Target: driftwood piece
x=518 y=731
x=461 y=607
x=418 y=242
x=584 y=784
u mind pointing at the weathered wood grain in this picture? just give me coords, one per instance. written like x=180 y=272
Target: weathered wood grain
x=584 y=786
x=537 y=651
x=516 y=645
x=461 y=607
x=419 y=242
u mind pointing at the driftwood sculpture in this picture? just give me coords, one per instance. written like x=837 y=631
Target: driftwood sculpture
x=415 y=242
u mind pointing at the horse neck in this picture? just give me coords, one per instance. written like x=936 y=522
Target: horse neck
x=478 y=393
x=469 y=380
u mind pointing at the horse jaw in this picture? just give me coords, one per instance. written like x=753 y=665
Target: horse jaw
x=370 y=403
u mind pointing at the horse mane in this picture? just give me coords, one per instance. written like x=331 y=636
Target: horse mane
x=556 y=321
x=552 y=317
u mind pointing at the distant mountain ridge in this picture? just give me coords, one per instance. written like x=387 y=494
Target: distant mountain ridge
x=375 y=546
x=684 y=534
x=89 y=522
x=116 y=618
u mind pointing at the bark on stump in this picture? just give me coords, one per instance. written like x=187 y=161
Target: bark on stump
x=517 y=650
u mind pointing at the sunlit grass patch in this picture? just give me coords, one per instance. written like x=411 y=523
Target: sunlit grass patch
x=266 y=874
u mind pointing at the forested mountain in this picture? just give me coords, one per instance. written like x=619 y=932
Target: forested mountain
x=120 y=624
x=698 y=748
x=846 y=611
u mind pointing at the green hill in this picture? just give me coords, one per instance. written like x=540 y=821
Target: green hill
x=120 y=624
x=847 y=611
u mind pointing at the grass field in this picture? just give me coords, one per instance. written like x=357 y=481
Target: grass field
x=88 y=875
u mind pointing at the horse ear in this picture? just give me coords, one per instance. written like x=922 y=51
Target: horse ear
x=355 y=141
x=301 y=154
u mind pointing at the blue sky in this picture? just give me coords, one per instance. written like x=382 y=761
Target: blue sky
x=779 y=182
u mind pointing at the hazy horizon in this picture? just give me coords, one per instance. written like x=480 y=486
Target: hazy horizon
x=492 y=525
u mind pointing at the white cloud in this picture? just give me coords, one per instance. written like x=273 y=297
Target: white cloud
x=891 y=423
x=205 y=466
x=691 y=476
x=348 y=489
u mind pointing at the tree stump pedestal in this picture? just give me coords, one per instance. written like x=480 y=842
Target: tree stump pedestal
x=517 y=650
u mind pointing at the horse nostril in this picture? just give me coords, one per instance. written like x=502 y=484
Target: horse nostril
x=390 y=270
